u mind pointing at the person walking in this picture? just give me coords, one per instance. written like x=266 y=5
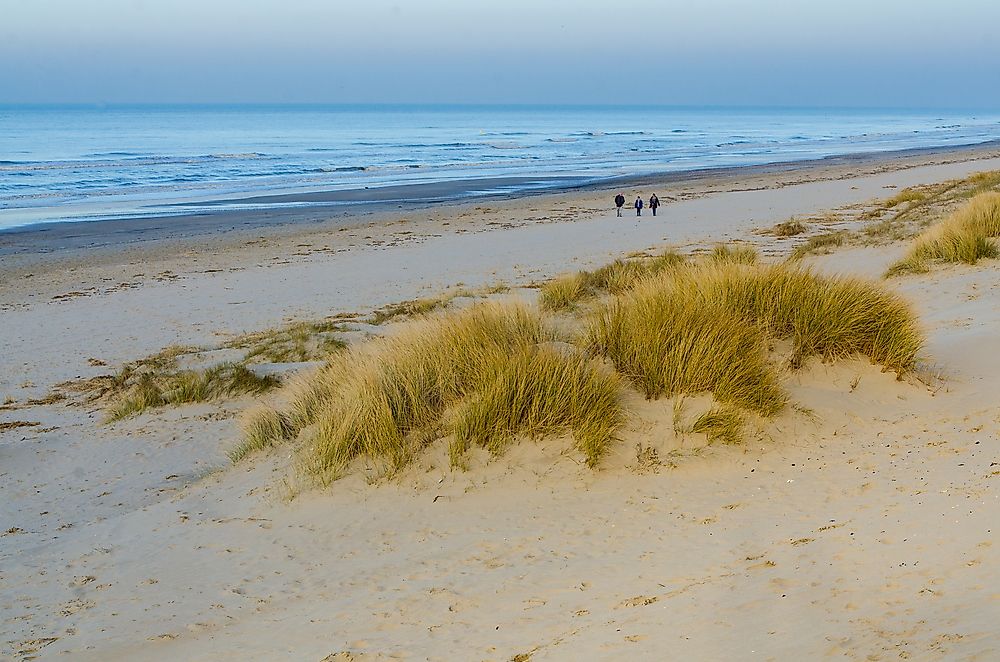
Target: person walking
x=619 y=203
x=638 y=205
x=654 y=202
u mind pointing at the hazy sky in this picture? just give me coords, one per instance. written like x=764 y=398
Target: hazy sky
x=806 y=52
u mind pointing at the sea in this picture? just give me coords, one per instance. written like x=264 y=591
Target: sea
x=85 y=163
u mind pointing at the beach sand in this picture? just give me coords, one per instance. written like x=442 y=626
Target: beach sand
x=864 y=532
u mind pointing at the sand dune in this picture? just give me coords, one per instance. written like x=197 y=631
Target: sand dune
x=864 y=530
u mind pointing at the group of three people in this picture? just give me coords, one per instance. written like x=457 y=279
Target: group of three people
x=654 y=202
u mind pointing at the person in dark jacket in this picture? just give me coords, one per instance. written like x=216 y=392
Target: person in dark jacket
x=638 y=205
x=654 y=202
x=619 y=203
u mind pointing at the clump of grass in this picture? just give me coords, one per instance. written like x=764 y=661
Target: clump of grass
x=669 y=340
x=411 y=308
x=622 y=275
x=723 y=424
x=262 y=426
x=821 y=243
x=739 y=253
x=789 y=228
x=963 y=236
x=304 y=341
x=153 y=389
x=541 y=391
x=478 y=373
x=906 y=195
x=706 y=329
x=565 y=291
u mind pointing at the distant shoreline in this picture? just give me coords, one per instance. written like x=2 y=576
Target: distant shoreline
x=345 y=207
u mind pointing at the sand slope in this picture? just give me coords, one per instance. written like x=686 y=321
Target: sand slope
x=866 y=532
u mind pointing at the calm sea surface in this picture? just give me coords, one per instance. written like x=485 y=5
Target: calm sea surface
x=83 y=163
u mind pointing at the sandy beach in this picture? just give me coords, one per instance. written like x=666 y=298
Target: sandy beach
x=861 y=531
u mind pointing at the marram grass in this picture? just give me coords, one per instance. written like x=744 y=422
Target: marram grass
x=723 y=424
x=706 y=329
x=563 y=292
x=669 y=343
x=789 y=228
x=492 y=373
x=541 y=391
x=156 y=389
x=740 y=253
x=485 y=374
x=964 y=236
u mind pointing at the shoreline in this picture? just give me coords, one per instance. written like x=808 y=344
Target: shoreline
x=333 y=210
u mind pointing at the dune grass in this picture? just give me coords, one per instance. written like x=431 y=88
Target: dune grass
x=541 y=391
x=145 y=390
x=723 y=424
x=485 y=374
x=964 y=236
x=821 y=243
x=411 y=308
x=739 y=253
x=491 y=373
x=304 y=341
x=263 y=426
x=670 y=341
x=789 y=228
x=906 y=195
x=706 y=328
x=563 y=292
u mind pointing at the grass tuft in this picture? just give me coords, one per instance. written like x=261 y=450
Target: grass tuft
x=483 y=373
x=789 y=229
x=263 y=426
x=723 y=424
x=706 y=329
x=564 y=292
x=738 y=253
x=157 y=389
x=412 y=308
x=821 y=243
x=669 y=340
x=305 y=341
x=963 y=236
x=906 y=195
x=542 y=391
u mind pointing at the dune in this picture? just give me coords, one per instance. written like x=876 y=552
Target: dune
x=849 y=513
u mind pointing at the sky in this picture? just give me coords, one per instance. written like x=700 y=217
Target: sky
x=853 y=53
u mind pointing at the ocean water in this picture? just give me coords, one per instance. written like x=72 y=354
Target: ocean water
x=87 y=163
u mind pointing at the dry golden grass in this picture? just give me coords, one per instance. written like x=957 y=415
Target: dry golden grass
x=145 y=390
x=906 y=195
x=706 y=328
x=723 y=424
x=263 y=426
x=483 y=374
x=409 y=308
x=565 y=291
x=541 y=391
x=821 y=243
x=491 y=373
x=304 y=341
x=669 y=340
x=789 y=229
x=964 y=236
x=739 y=253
